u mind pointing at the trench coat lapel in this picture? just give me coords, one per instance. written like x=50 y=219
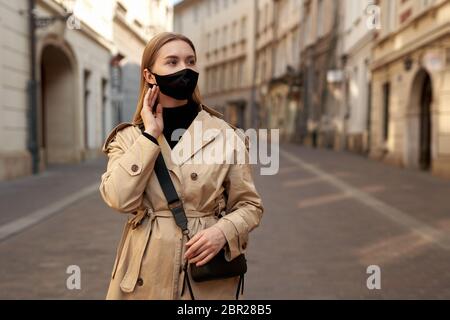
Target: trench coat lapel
x=191 y=142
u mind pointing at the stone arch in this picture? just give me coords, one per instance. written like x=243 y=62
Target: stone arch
x=59 y=124
x=418 y=120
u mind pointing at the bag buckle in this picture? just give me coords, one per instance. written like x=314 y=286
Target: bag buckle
x=178 y=213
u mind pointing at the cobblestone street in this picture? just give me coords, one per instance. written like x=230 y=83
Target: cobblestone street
x=328 y=216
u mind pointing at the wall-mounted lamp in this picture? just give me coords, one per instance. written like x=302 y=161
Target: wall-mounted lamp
x=407 y=63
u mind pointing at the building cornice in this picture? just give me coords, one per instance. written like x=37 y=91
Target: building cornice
x=121 y=20
x=405 y=26
x=184 y=4
x=57 y=9
x=361 y=43
x=434 y=34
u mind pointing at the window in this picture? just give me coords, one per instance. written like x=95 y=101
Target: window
x=235 y=74
x=259 y=22
x=320 y=21
x=211 y=80
x=225 y=77
x=262 y=17
x=295 y=46
x=386 y=98
x=243 y=27
x=266 y=15
x=104 y=86
x=87 y=105
x=307 y=27
x=225 y=36
x=214 y=82
x=241 y=73
x=217 y=5
x=208 y=42
x=219 y=78
x=209 y=85
x=258 y=67
x=263 y=70
x=230 y=76
x=390 y=16
x=427 y=3
x=195 y=14
x=216 y=40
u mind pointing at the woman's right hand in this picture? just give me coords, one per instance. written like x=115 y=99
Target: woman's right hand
x=153 y=123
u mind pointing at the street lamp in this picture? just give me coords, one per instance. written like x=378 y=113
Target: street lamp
x=407 y=63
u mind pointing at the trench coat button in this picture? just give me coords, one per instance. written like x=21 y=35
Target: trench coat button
x=140 y=282
x=134 y=167
x=194 y=176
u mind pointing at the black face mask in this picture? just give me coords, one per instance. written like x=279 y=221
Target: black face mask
x=179 y=85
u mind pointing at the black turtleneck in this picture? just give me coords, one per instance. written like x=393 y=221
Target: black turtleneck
x=178 y=117
x=175 y=118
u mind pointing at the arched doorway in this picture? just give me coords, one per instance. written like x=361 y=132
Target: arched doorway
x=58 y=125
x=418 y=139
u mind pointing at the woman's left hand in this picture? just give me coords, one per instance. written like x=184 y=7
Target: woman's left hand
x=204 y=245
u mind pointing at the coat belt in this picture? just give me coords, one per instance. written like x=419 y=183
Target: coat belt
x=131 y=275
x=189 y=213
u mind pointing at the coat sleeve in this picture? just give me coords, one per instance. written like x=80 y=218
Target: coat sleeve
x=244 y=207
x=130 y=164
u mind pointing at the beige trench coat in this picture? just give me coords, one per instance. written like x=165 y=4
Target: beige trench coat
x=149 y=258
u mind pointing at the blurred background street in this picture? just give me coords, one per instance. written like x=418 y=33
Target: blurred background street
x=357 y=91
x=329 y=215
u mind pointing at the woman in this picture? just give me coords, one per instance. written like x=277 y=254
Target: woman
x=152 y=252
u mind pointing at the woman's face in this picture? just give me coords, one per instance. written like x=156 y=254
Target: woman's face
x=174 y=56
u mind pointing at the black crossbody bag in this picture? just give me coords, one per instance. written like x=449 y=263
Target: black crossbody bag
x=218 y=267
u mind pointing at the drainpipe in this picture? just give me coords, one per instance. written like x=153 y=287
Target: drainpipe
x=32 y=134
x=253 y=110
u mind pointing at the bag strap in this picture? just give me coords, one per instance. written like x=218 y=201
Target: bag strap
x=177 y=209
x=175 y=206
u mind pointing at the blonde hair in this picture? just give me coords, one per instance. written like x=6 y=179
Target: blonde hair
x=148 y=60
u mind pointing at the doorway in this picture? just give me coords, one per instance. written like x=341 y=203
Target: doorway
x=57 y=117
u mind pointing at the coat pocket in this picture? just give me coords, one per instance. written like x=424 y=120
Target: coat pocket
x=138 y=241
x=131 y=224
x=125 y=231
